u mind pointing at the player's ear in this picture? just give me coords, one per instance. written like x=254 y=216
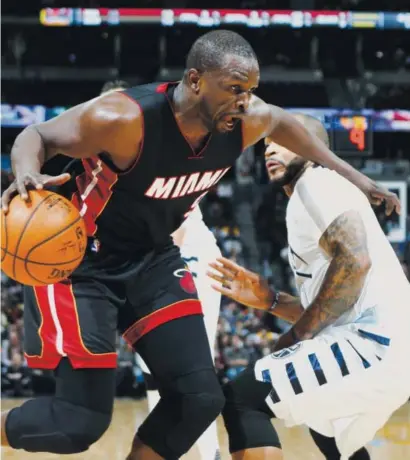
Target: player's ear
x=193 y=79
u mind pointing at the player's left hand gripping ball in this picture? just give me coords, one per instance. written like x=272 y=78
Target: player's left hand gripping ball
x=43 y=240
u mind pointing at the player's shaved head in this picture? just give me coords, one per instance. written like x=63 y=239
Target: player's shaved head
x=209 y=52
x=114 y=85
x=221 y=73
x=314 y=126
x=283 y=166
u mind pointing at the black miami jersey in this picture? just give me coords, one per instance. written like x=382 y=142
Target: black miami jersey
x=136 y=210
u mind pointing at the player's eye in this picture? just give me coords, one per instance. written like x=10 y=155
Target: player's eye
x=236 y=89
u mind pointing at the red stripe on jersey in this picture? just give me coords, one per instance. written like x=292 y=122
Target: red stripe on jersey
x=94 y=189
x=162 y=88
x=47 y=333
x=78 y=354
x=166 y=314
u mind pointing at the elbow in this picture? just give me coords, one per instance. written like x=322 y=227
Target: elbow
x=363 y=264
x=31 y=129
x=30 y=132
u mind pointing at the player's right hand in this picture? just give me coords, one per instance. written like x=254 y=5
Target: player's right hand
x=22 y=182
x=244 y=286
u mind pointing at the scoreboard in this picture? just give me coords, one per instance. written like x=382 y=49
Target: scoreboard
x=91 y=17
x=351 y=135
x=350 y=131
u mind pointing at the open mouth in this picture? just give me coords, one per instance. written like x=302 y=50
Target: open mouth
x=272 y=165
x=230 y=122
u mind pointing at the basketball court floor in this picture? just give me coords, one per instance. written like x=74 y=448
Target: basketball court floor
x=391 y=443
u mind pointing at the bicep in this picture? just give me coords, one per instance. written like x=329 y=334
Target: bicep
x=346 y=235
x=61 y=134
x=110 y=124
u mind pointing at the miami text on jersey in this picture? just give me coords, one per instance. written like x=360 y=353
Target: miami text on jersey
x=179 y=186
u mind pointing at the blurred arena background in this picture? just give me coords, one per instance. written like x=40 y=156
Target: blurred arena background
x=346 y=62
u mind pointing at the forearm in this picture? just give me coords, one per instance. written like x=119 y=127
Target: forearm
x=288 y=308
x=28 y=152
x=339 y=292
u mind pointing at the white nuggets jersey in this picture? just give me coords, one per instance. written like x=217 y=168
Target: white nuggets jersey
x=347 y=381
x=197 y=234
x=320 y=196
x=198 y=249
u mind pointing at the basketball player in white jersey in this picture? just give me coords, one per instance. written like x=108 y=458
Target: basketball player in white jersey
x=198 y=248
x=343 y=368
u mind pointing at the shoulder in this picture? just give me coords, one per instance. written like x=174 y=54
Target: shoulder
x=112 y=108
x=325 y=195
x=116 y=120
x=317 y=180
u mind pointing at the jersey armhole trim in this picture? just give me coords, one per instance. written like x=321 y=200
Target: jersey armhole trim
x=303 y=201
x=141 y=146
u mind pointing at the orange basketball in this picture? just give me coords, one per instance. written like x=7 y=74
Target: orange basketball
x=42 y=241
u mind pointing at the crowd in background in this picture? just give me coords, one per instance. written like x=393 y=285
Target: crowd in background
x=244 y=335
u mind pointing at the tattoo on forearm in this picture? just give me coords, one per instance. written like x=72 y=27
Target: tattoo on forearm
x=345 y=241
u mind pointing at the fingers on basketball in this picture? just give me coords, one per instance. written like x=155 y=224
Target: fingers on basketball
x=43 y=240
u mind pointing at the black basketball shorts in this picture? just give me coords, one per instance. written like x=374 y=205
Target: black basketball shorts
x=78 y=318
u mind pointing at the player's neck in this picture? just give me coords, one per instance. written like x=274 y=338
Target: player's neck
x=187 y=115
x=289 y=188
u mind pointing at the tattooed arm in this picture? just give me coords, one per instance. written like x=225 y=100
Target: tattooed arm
x=345 y=242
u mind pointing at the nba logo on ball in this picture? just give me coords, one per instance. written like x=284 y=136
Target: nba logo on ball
x=285 y=352
x=186 y=281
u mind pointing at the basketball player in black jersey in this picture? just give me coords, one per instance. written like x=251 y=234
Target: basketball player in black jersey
x=149 y=154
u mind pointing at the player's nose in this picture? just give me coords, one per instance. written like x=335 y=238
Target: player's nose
x=242 y=103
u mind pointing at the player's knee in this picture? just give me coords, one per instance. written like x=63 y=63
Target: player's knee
x=246 y=392
x=200 y=396
x=78 y=427
x=89 y=429
x=189 y=404
x=61 y=427
x=207 y=404
x=246 y=416
x=195 y=390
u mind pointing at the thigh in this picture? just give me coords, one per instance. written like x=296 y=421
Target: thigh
x=175 y=349
x=90 y=388
x=163 y=290
x=75 y=319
